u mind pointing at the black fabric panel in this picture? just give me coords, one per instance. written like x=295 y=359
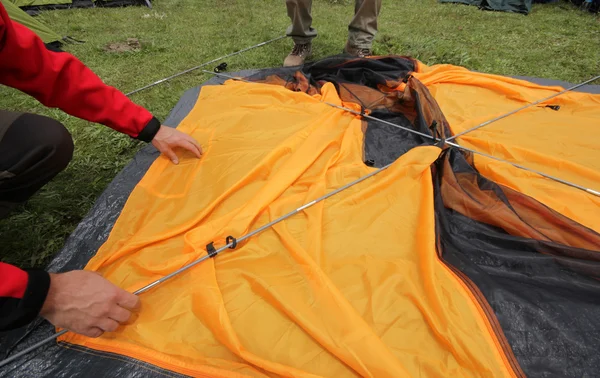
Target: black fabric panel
x=384 y=144
x=339 y=69
x=549 y=313
x=366 y=71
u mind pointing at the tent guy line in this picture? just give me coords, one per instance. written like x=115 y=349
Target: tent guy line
x=523 y=108
x=204 y=64
x=448 y=141
x=231 y=244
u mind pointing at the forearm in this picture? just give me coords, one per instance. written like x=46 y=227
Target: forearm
x=22 y=295
x=60 y=80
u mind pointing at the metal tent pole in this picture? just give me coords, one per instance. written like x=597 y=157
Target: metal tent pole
x=204 y=64
x=233 y=243
x=591 y=191
x=448 y=141
x=37 y=345
x=230 y=244
x=522 y=108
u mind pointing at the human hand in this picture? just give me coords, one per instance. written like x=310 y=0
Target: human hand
x=86 y=303
x=168 y=138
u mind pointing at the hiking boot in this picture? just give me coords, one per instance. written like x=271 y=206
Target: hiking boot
x=358 y=52
x=299 y=54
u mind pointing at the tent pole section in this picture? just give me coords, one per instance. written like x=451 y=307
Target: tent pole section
x=591 y=191
x=448 y=141
x=522 y=108
x=230 y=245
x=204 y=64
x=233 y=244
x=335 y=106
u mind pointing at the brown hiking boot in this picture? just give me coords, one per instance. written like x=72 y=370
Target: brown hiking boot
x=357 y=51
x=299 y=54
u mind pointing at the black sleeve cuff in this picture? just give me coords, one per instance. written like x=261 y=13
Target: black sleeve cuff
x=35 y=294
x=149 y=131
x=18 y=312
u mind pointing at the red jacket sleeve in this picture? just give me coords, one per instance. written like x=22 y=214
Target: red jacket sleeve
x=22 y=295
x=59 y=80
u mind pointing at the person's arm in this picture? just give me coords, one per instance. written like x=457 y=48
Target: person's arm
x=22 y=295
x=58 y=79
x=80 y=301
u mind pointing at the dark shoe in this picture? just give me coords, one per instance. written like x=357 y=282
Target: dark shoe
x=357 y=51
x=299 y=54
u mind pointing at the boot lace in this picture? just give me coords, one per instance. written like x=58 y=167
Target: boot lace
x=300 y=49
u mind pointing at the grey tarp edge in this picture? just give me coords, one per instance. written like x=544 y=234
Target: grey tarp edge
x=590 y=88
x=90 y=234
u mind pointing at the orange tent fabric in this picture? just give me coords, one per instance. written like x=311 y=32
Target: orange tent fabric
x=352 y=286
x=557 y=143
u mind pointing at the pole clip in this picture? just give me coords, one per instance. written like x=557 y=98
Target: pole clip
x=231 y=240
x=210 y=249
x=221 y=67
x=435 y=132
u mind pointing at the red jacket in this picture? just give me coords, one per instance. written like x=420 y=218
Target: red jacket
x=56 y=79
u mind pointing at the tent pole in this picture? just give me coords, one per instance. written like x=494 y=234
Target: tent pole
x=233 y=244
x=522 y=108
x=448 y=141
x=230 y=244
x=204 y=64
x=591 y=191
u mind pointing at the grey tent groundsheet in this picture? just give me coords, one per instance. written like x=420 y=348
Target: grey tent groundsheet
x=513 y=6
x=54 y=360
x=516 y=6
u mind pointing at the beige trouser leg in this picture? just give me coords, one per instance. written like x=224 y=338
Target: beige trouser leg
x=299 y=12
x=361 y=31
x=363 y=27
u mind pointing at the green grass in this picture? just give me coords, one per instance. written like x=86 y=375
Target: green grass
x=554 y=41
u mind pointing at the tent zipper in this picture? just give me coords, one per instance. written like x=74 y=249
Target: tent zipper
x=491 y=317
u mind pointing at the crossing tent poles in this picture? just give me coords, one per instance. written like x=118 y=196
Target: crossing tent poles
x=455 y=145
x=37 y=345
x=232 y=242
